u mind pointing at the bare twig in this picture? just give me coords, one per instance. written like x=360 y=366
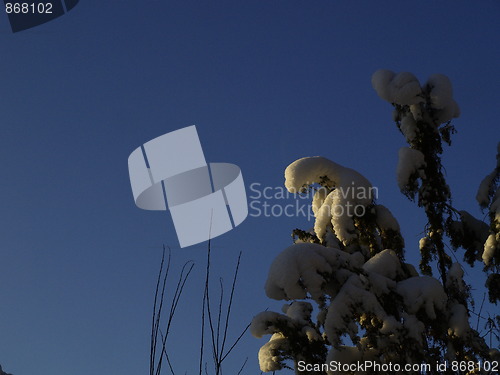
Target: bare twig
x=242 y=366
x=154 y=364
x=219 y=315
x=218 y=324
x=230 y=301
x=480 y=310
x=157 y=314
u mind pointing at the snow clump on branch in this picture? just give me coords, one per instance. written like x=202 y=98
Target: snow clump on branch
x=345 y=193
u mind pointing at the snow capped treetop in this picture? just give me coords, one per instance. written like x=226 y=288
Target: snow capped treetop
x=310 y=170
x=402 y=88
x=343 y=190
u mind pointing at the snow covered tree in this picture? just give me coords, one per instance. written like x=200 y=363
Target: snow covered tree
x=371 y=307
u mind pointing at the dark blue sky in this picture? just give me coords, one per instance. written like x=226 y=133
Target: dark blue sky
x=266 y=82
